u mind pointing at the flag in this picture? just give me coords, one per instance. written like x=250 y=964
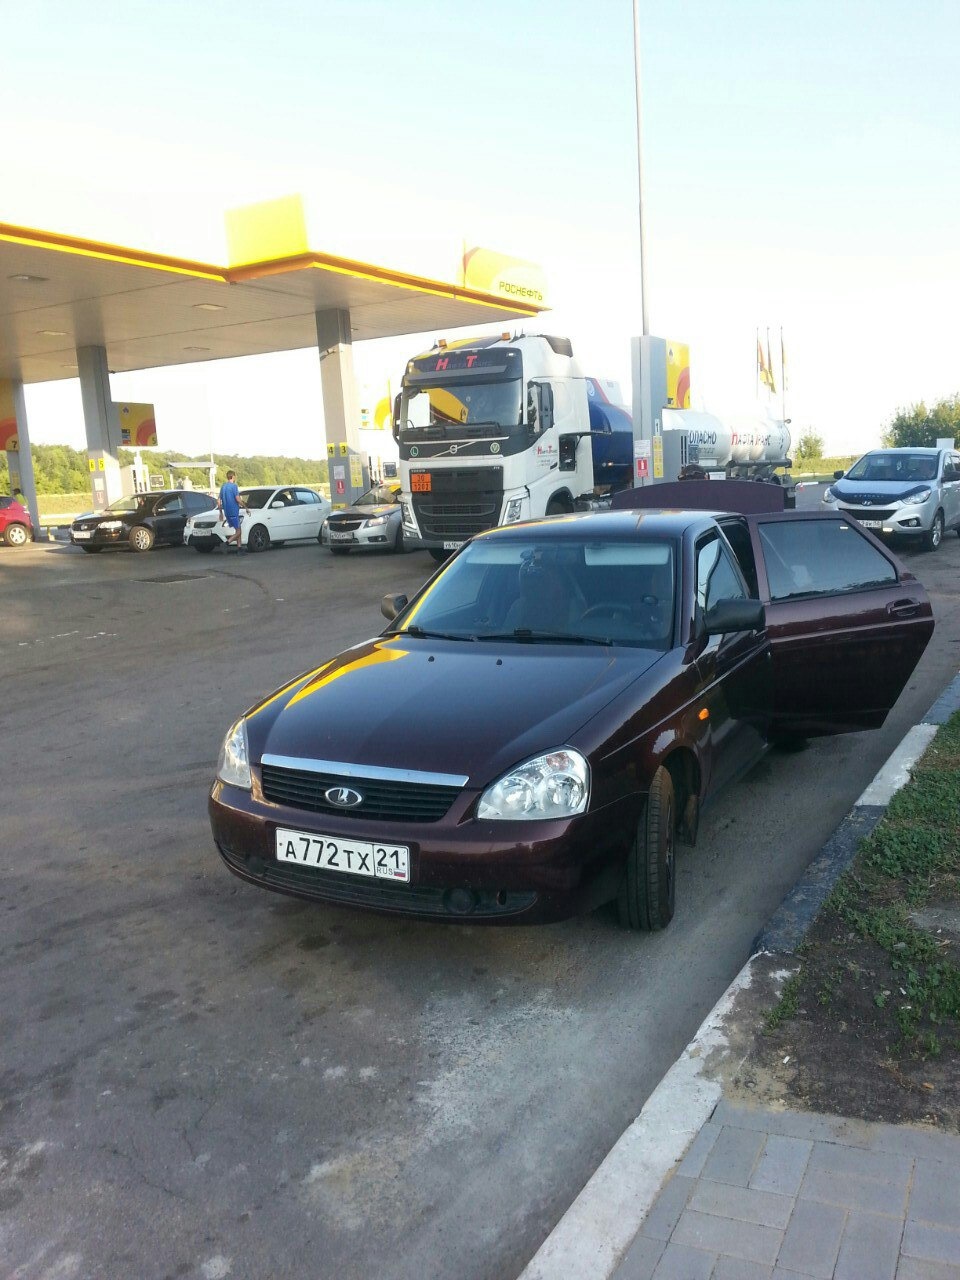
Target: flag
x=766 y=377
x=783 y=362
x=770 y=379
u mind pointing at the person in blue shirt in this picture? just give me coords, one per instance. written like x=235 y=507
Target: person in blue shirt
x=229 y=503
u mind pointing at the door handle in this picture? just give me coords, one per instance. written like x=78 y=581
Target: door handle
x=903 y=608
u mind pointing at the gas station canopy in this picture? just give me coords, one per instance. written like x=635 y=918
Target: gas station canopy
x=59 y=293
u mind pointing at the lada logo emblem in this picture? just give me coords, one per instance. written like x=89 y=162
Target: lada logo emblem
x=343 y=797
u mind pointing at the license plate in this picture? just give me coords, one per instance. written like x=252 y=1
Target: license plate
x=81 y=534
x=452 y=546
x=336 y=853
x=340 y=537
x=872 y=524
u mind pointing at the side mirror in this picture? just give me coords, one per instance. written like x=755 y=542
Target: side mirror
x=838 y=475
x=393 y=604
x=734 y=615
x=568 y=452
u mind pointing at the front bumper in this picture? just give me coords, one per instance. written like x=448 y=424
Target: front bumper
x=101 y=538
x=382 y=535
x=205 y=540
x=460 y=869
x=910 y=521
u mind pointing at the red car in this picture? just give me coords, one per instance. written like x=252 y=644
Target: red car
x=540 y=725
x=16 y=527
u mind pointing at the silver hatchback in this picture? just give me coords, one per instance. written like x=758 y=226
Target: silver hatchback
x=906 y=493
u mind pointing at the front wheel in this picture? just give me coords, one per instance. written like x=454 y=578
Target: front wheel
x=339 y=551
x=258 y=538
x=204 y=547
x=440 y=556
x=557 y=507
x=934 y=536
x=141 y=538
x=17 y=535
x=398 y=540
x=646 y=897
x=91 y=551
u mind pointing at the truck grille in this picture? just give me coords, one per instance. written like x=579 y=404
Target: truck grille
x=382 y=798
x=460 y=503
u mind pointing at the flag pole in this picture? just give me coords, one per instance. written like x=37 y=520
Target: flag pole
x=783 y=378
x=756 y=376
x=643 y=245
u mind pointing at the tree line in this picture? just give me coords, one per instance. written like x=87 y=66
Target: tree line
x=59 y=469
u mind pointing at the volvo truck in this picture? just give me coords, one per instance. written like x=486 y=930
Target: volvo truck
x=498 y=429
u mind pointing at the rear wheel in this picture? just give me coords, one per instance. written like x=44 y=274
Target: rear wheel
x=258 y=538
x=934 y=536
x=141 y=538
x=646 y=898
x=17 y=535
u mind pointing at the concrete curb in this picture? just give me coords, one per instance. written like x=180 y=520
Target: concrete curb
x=589 y=1241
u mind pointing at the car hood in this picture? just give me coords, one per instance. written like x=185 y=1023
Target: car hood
x=469 y=708
x=879 y=490
x=384 y=509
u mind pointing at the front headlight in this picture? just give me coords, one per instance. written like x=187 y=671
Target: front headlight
x=916 y=498
x=111 y=524
x=828 y=495
x=234 y=763
x=374 y=520
x=555 y=785
x=512 y=513
x=406 y=516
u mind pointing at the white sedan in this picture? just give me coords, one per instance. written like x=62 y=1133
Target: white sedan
x=269 y=514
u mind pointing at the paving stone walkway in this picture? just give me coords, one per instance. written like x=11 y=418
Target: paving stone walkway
x=789 y=1195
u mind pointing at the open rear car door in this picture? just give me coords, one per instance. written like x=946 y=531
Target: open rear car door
x=846 y=622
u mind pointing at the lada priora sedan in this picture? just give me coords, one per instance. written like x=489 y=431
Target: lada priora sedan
x=534 y=732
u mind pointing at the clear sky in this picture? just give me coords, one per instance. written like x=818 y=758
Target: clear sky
x=800 y=162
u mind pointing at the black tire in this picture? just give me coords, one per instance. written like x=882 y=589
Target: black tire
x=204 y=547
x=646 y=897
x=557 y=507
x=398 y=540
x=258 y=539
x=16 y=535
x=339 y=551
x=92 y=551
x=440 y=556
x=141 y=538
x=934 y=536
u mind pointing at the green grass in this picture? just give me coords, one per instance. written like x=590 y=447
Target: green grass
x=911 y=858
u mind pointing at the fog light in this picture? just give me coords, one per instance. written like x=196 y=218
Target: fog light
x=459 y=902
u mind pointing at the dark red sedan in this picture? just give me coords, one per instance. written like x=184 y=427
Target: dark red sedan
x=544 y=720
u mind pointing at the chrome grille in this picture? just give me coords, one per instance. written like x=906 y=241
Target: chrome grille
x=382 y=797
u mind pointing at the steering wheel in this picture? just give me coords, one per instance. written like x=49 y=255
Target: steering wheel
x=615 y=610
x=643 y=611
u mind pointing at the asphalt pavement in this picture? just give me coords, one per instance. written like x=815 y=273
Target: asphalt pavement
x=201 y=1079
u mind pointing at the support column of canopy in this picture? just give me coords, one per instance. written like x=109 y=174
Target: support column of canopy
x=341 y=407
x=16 y=441
x=102 y=425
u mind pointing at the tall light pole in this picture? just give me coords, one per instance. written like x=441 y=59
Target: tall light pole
x=643 y=247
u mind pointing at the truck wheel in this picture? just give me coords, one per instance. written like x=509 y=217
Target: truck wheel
x=438 y=555
x=557 y=507
x=646 y=897
x=934 y=536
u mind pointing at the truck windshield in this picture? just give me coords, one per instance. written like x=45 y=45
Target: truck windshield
x=425 y=409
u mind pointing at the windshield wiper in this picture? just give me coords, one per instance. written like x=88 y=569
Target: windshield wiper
x=527 y=635
x=422 y=634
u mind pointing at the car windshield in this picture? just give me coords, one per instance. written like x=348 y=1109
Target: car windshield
x=380 y=495
x=538 y=590
x=898 y=467
x=130 y=504
x=255 y=499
